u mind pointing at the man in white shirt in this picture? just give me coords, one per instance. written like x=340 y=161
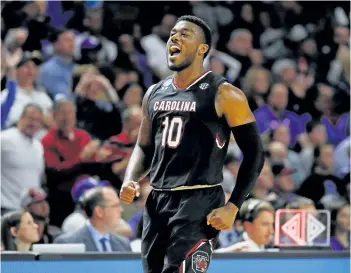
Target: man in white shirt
x=258 y=219
x=22 y=158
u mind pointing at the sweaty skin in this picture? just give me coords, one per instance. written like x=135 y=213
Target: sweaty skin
x=232 y=104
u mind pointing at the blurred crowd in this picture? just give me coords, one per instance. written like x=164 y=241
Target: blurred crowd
x=73 y=75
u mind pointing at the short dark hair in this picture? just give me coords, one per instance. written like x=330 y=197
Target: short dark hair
x=29 y=106
x=204 y=27
x=312 y=124
x=60 y=100
x=91 y=199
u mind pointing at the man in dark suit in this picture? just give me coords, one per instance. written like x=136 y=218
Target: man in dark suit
x=102 y=207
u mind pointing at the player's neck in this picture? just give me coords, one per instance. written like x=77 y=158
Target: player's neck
x=184 y=78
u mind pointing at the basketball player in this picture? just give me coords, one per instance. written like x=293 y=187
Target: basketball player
x=183 y=140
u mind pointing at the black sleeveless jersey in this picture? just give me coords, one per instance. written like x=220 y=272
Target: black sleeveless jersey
x=190 y=140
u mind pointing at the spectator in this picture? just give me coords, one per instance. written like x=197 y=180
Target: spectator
x=103 y=209
x=228 y=183
x=131 y=95
x=96 y=101
x=9 y=63
x=133 y=56
x=322 y=183
x=319 y=100
x=258 y=219
x=282 y=134
x=222 y=63
x=154 y=45
x=302 y=203
x=274 y=113
x=26 y=92
x=322 y=101
x=77 y=219
x=121 y=145
x=285 y=71
x=342 y=158
x=65 y=148
x=316 y=136
x=256 y=86
x=341 y=228
x=283 y=191
x=18 y=231
x=22 y=158
x=265 y=182
x=56 y=74
x=34 y=201
x=239 y=47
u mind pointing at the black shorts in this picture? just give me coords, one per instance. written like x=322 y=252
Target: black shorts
x=176 y=237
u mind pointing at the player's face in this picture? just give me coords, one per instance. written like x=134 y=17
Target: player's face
x=261 y=229
x=184 y=45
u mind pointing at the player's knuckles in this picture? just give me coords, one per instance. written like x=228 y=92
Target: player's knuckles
x=127 y=193
x=128 y=190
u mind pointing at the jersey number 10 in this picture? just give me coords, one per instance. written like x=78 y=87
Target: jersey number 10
x=172 y=131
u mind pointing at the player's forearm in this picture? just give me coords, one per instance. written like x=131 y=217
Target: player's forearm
x=139 y=164
x=249 y=141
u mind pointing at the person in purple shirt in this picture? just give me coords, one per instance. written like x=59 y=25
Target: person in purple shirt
x=337 y=129
x=271 y=115
x=341 y=228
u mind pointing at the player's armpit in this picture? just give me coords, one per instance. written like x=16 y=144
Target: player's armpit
x=232 y=103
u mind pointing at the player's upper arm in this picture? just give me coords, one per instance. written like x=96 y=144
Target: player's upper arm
x=232 y=103
x=144 y=137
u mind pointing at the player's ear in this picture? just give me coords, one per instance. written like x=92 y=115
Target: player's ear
x=203 y=48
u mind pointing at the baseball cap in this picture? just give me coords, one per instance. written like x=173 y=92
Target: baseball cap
x=282 y=169
x=32 y=196
x=34 y=56
x=85 y=183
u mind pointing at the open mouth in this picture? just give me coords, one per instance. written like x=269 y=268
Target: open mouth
x=174 y=51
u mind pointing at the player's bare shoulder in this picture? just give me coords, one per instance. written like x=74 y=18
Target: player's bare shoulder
x=228 y=96
x=232 y=102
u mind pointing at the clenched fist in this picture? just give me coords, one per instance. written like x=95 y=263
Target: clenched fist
x=223 y=217
x=129 y=191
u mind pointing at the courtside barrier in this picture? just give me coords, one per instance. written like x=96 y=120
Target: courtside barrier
x=275 y=262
